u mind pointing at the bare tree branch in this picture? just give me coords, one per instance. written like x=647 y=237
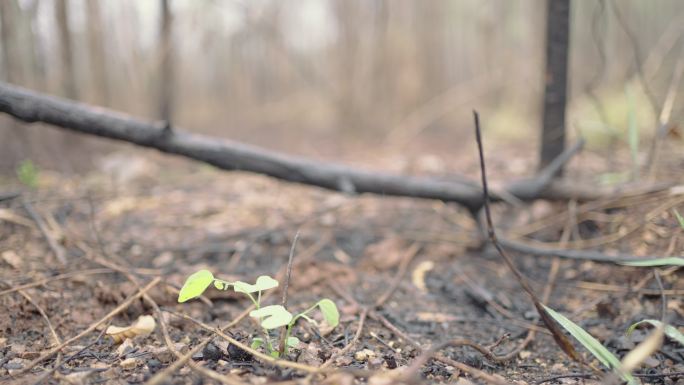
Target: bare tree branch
x=30 y=106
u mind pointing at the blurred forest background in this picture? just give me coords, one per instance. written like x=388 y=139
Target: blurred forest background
x=334 y=79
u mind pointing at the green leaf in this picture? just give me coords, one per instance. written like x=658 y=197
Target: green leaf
x=274 y=316
x=27 y=173
x=679 y=217
x=219 y=285
x=670 y=331
x=668 y=261
x=195 y=285
x=292 y=342
x=256 y=342
x=329 y=310
x=590 y=343
x=264 y=282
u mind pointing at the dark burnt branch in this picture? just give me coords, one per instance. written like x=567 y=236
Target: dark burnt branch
x=30 y=106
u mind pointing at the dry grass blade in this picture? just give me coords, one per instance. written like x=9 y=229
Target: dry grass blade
x=558 y=335
x=642 y=351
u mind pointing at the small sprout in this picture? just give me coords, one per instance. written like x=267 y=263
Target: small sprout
x=256 y=342
x=264 y=282
x=270 y=317
x=27 y=172
x=330 y=313
x=274 y=316
x=292 y=342
x=195 y=285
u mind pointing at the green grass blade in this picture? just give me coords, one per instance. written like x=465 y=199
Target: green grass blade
x=679 y=217
x=670 y=331
x=668 y=261
x=590 y=343
x=632 y=130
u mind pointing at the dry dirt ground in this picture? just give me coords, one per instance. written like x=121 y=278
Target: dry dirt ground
x=404 y=273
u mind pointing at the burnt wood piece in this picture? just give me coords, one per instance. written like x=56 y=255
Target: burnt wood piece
x=30 y=106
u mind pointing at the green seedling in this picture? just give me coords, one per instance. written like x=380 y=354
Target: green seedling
x=654 y=262
x=670 y=331
x=27 y=172
x=269 y=317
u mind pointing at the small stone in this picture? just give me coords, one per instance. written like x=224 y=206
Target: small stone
x=14 y=365
x=125 y=347
x=153 y=365
x=129 y=363
x=211 y=352
x=390 y=361
x=375 y=363
x=525 y=354
x=650 y=362
x=236 y=353
x=364 y=355
x=343 y=361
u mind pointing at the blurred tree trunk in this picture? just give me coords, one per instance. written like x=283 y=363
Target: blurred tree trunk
x=65 y=49
x=97 y=53
x=349 y=109
x=9 y=14
x=555 y=91
x=166 y=62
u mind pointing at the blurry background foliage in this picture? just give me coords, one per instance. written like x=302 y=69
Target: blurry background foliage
x=334 y=78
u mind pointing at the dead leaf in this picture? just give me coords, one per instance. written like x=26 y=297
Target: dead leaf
x=143 y=325
x=418 y=275
x=12 y=259
x=435 y=317
x=644 y=350
x=342 y=256
x=130 y=363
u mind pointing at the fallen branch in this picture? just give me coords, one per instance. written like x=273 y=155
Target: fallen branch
x=30 y=107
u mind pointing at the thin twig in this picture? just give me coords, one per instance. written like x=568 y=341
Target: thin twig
x=92 y=327
x=663 y=297
x=255 y=353
x=406 y=259
x=55 y=336
x=286 y=286
x=56 y=248
x=56 y=278
x=161 y=377
x=558 y=335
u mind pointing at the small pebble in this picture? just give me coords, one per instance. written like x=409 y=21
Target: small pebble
x=211 y=352
x=129 y=363
x=364 y=355
x=375 y=363
x=153 y=365
x=237 y=354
